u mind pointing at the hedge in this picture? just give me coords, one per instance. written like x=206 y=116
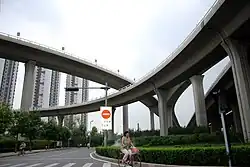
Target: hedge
x=8 y=145
x=183 y=139
x=171 y=131
x=186 y=156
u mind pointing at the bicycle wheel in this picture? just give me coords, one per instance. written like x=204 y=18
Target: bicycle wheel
x=119 y=159
x=136 y=161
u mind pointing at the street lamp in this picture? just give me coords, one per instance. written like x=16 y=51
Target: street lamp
x=222 y=107
x=106 y=88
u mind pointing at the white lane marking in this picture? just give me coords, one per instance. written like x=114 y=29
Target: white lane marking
x=34 y=165
x=106 y=165
x=50 y=165
x=87 y=165
x=4 y=165
x=101 y=160
x=18 y=165
x=63 y=153
x=69 y=164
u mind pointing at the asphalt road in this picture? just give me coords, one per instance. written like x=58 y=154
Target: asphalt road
x=75 y=157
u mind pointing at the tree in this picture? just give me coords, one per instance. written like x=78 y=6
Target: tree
x=31 y=124
x=64 y=134
x=6 y=117
x=94 y=131
x=83 y=130
x=50 y=131
x=79 y=135
x=17 y=124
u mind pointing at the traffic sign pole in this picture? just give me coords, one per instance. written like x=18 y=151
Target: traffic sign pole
x=106 y=104
x=106 y=88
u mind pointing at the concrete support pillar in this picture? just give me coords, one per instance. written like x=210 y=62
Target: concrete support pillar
x=28 y=84
x=237 y=52
x=236 y=118
x=152 y=120
x=125 y=118
x=71 y=121
x=52 y=118
x=199 y=100
x=60 y=120
x=162 y=107
x=175 y=120
x=170 y=111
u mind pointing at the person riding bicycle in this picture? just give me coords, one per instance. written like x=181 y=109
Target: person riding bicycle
x=88 y=145
x=22 y=147
x=126 y=146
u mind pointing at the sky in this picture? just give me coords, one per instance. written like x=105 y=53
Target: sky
x=133 y=36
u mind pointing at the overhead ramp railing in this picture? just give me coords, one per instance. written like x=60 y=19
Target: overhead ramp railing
x=185 y=42
x=180 y=47
x=66 y=53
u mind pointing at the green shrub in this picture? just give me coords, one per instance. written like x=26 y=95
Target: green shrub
x=8 y=145
x=171 y=131
x=182 y=139
x=96 y=140
x=186 y=156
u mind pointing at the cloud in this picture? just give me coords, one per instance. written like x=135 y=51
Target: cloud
x=132 y=36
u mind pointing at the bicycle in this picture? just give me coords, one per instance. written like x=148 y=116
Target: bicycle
x=21 y=152
x=135 y=160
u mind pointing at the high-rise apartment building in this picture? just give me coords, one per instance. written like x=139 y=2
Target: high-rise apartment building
x=76 y=97
x=8 y=78
x=46 y=88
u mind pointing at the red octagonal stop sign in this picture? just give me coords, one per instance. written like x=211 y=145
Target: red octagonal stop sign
x=106 y=114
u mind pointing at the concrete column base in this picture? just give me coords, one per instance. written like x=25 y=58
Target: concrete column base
x=162 y=107
x=199 y=100
x=152 y=120
x=238 y=55
x=170 y=111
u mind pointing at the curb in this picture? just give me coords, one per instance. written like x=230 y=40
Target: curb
x=113 y=161
x=32 y=152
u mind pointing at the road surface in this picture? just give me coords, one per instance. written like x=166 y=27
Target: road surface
x=75 y=157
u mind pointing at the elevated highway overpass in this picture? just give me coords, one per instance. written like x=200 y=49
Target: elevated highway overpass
x=22 y=50
x=211 y=41
x=224 y=81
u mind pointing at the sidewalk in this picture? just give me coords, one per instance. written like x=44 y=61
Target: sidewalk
x=9 y=154
x=97 y=157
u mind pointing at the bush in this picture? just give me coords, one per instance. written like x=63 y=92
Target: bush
x=171 y=131
x=182 y=139
x=8 y=145
x=96 y=140
x=186 y=156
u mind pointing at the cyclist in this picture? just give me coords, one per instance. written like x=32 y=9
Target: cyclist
x=126 y=145
x=22 y=147
x=88 y=145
